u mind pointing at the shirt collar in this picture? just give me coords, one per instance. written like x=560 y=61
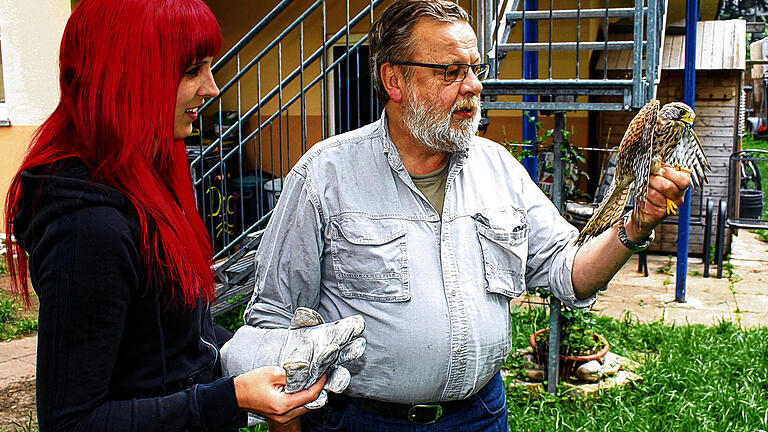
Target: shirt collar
x=393 y=155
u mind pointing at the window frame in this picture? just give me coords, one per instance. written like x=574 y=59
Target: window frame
x=4 y=120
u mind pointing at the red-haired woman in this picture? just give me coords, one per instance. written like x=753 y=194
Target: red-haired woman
x=104 y=210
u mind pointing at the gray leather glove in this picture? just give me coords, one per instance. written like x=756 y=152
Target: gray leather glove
x=306 y=350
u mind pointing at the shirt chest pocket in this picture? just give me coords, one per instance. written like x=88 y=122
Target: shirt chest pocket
x=370 y=258
x=503 y=237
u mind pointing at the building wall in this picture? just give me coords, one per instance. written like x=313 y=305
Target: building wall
x=30 y=33
x=237 y=17
x=716 y=120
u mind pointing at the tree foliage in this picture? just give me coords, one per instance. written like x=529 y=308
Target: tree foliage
x=753 y=10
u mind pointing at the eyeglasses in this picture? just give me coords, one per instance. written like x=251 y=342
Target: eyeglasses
x=455 y=72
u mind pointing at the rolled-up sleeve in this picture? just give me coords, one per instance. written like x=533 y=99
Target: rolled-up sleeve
x=551 y=248
x=287 y=273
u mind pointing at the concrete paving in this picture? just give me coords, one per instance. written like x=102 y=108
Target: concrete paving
x=743 y=299
x=17 y=360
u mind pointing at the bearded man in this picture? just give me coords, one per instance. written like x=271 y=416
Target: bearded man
x=428 y=232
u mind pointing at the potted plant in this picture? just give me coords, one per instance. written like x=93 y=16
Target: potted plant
x=579 y=343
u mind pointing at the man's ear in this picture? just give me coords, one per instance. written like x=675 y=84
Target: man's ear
x=393 y=82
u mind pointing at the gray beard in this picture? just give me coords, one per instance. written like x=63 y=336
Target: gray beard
x=434 y=129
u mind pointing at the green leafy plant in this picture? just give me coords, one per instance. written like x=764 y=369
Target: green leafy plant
x=577 y=335
x=571 y=156
x=232 y=319
x=28 y=425
x=13 y=323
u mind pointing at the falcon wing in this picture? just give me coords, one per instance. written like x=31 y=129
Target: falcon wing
x=689 y=154
x=642 y=156
x=636 y=144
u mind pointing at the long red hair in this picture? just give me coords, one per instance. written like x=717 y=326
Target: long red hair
x=121 y=63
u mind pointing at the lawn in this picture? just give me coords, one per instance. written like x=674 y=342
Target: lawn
x=695 y=378
x=15 y=321
x=750 y=143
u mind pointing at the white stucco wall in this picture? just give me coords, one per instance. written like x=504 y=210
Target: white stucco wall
x=30 y=33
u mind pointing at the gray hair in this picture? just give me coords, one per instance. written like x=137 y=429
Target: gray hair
x=390 y=35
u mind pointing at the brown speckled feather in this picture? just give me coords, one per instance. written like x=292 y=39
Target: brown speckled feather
x=653 y=136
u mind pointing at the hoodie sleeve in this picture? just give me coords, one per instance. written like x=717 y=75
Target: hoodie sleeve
x=84 y=270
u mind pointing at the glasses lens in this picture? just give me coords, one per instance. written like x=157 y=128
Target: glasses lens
x=455 y=73
x=481 y=71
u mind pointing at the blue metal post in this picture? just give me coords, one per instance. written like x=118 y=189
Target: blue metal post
x=530 y=71
x=689 y=96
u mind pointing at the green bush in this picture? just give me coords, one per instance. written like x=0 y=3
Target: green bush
x=12 y=322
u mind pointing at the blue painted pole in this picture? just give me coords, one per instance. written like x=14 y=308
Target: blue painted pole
x=689 y=96
x=530 y=71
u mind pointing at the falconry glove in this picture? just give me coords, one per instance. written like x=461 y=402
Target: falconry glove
x=306 y=350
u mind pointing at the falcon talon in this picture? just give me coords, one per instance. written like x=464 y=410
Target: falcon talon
x=671 y=207
x=685 y=170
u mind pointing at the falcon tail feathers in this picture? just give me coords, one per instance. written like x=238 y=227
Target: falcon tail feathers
x=607 y=214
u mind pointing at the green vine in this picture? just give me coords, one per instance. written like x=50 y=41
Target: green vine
x=571 y=156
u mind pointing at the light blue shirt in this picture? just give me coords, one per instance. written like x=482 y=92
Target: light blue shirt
x=352 y=234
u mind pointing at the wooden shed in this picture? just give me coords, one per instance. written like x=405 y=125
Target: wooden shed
x=720 y=63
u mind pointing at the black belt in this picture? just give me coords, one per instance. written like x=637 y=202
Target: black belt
x=423 y=414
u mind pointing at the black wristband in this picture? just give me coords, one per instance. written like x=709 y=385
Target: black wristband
x=624 y=238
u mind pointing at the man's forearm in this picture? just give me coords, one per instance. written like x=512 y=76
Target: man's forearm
x=599 y=259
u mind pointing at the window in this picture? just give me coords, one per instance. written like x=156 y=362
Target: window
x=2 y=88
x=3 y=113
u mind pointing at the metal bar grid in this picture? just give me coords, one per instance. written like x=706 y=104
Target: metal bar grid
x=219 y=162
x=283 y=82
x=638 y=90
x=569 y=46
x=647 y=18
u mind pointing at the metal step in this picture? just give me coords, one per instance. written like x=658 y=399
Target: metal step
x=235 y=277
x=645 y=18
x=568 y=46
x=573 y=14
x=562 y=93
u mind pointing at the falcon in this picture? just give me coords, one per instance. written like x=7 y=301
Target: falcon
x=654 y=136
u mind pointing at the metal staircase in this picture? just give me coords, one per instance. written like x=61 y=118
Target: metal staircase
x=566 y=92
x=258 y=141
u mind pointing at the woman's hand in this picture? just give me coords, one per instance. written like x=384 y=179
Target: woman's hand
x=261 y=391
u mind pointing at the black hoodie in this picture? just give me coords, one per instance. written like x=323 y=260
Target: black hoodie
x=112 y=355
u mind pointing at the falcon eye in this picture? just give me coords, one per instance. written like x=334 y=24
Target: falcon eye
x=682 y=112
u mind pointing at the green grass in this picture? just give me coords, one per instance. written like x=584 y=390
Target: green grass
x=13 y=323
x=750 y=143
x=695 y=378
x=231 y=320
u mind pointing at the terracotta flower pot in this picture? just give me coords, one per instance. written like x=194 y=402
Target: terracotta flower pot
x=570 y=363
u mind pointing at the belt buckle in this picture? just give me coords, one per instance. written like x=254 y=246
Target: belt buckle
x=414 y=415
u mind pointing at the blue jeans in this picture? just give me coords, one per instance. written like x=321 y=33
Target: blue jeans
x=486 y=412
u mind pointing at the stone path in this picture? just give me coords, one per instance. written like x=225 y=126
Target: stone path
x=743 y=299
x=17 y=360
